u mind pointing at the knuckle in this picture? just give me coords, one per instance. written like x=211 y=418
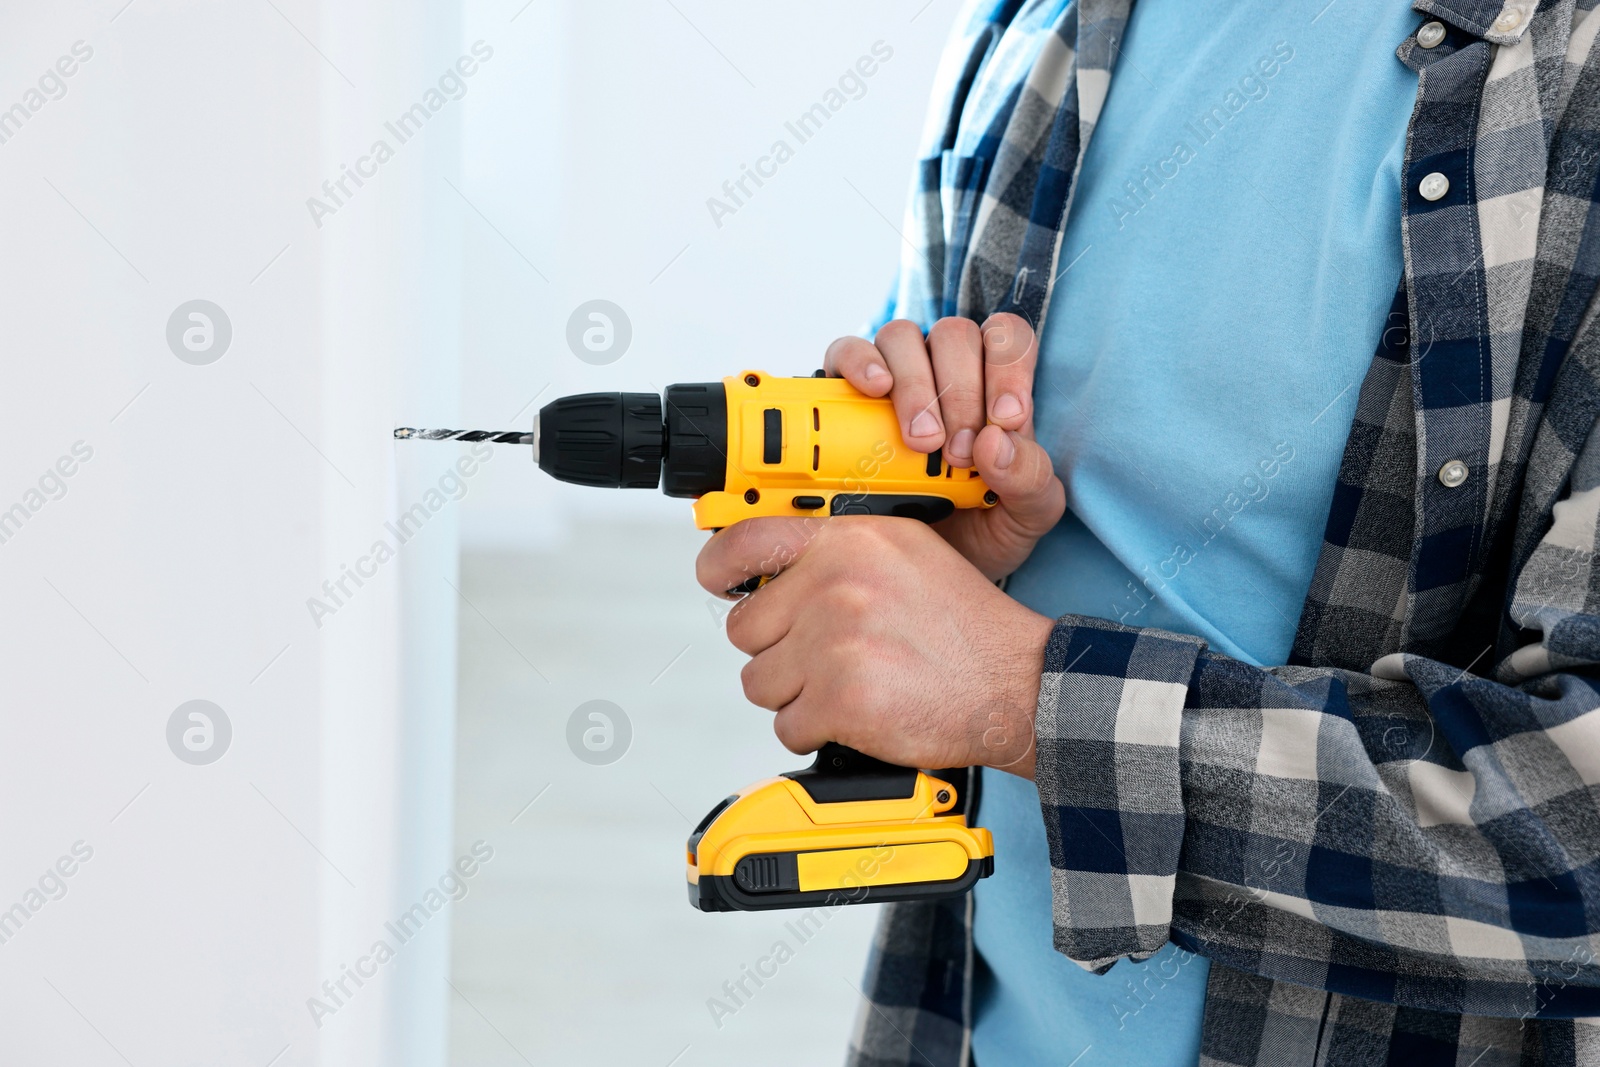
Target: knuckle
x=738 y=627
x=788 y=733
x=1007 y=339
x=1053 y=505
x=1007 y=322
x=844 y=351
x=962 y=403
x=750 y=680
x=706 y=573
x=858 y=540
x=893 y=533
x=846 y=607
x=899 y=329
x=834 y=536
x=734 y=541
x=952 y=329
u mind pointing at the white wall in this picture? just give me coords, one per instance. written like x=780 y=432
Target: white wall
x=178 y=564
x=390 y=298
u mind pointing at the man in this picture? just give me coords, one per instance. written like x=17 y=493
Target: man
x=1296 y=704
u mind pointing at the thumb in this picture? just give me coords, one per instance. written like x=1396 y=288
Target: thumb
x=1019 y=471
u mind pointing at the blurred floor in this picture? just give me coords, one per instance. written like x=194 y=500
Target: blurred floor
x=576 y=943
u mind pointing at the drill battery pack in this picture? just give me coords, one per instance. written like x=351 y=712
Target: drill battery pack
x=849 y=829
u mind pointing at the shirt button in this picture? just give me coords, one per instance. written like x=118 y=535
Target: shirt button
x=1509 y=20
x=1433 y=186
x=1431 y=34
x=1452 y=474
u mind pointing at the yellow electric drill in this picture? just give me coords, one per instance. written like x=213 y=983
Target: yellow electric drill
x=849 y=829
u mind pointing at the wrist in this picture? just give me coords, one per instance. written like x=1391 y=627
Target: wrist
x=1008 y=739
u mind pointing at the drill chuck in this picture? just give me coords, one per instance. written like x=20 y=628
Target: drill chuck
x=602 y=439
x=635 y=441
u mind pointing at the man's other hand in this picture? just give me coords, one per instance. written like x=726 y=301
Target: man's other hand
x=969 y=391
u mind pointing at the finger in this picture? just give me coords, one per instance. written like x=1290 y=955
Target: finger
x=799 y=726
x=1019 y=471
x=858 y=361
x=915 y=400
x=751 y=548
x=762 y=619
x=1010 y=355
x=772 y=679
x=956 y=347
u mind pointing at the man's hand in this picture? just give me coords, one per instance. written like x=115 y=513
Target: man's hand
x=878 y=635
x=969 y=391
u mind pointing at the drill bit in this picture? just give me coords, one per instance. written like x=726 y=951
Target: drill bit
x=499 y=437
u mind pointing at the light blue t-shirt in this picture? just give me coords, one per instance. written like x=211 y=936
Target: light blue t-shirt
x=1230 y=259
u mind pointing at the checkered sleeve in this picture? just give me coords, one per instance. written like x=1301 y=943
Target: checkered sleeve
x=1110 y=709
x=1417 y=834
x=1420 y=835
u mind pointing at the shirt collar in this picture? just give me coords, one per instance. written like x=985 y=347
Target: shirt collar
x=1496 y=21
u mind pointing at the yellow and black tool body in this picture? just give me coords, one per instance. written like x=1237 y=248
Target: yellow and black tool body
x=849 y=829
x=754 y=445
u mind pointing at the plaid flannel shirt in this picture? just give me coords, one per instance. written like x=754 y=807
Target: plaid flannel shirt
x=1389 y=848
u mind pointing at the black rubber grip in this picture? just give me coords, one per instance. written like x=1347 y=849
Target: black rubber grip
x=696 y=439
x=928 y=509
x=843 y=774
x=604 y=439
x=768 y=872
